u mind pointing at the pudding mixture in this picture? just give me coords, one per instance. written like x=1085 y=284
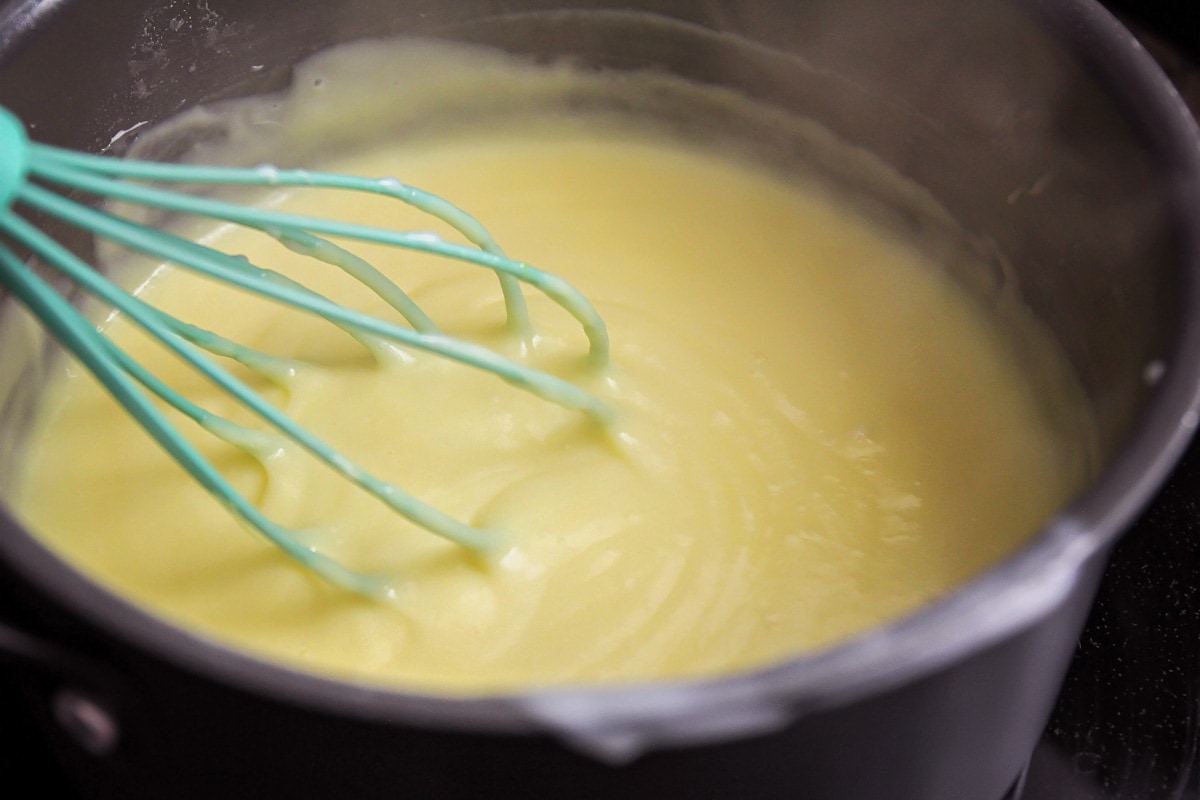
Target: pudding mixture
x=816 y=431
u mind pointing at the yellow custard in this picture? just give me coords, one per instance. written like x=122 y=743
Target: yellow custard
x=817 y=431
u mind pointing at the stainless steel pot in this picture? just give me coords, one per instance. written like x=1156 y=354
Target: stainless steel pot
x=1039 y=124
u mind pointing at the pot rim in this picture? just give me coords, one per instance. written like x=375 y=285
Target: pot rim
x=1002 y=601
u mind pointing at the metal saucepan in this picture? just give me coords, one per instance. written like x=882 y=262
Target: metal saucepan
x=976 y=102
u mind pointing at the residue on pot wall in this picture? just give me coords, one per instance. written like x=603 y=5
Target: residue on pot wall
x=178 y=33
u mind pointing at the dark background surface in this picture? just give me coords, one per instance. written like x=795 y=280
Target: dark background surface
x=1127 y=726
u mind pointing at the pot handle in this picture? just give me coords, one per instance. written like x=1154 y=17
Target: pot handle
x=81 y=691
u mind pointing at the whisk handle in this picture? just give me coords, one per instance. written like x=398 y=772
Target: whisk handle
x=14 y=156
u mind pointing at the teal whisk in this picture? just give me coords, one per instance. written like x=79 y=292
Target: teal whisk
x=33 y=177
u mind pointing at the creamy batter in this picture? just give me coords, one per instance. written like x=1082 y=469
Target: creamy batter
x=816 y=432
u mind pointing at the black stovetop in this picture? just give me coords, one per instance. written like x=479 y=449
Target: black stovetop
x=1127 y=725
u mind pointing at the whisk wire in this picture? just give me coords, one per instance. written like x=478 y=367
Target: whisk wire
x=362 y=270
